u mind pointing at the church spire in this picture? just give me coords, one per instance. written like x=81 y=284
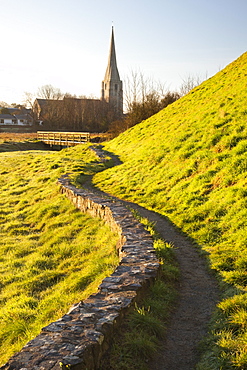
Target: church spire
x=112 y=70
x=112 y=89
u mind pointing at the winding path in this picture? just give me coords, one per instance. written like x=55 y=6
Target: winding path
x=198 y=295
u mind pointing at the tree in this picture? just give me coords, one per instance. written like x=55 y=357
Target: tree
x=28 y=99
x=50 y=92
x=189 y=83
x=169 y=98
x=4 y=111
x=144 y=97
x=3 y=104
x=52 y=109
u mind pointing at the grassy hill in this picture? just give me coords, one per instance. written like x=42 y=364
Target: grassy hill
x=51 y=255
x=189 y=163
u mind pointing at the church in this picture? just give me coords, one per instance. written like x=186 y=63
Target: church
x=75 y=114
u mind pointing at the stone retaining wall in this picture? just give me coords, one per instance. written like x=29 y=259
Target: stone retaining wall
x=79 y=339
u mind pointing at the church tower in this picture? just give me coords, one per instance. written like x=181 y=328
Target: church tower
x=112 y=86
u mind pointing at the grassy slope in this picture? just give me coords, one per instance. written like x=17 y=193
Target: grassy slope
x=189 y=162
x=51 y=254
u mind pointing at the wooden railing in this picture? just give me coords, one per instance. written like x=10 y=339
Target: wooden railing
x=63 y=138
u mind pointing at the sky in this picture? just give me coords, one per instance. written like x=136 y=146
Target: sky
x=65 y=43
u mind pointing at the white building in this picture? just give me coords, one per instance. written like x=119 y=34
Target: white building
x=15 y=117
x=7 y=119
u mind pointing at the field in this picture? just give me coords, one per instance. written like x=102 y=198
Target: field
x=16 y=137
x=189 y=163
x=52 y=255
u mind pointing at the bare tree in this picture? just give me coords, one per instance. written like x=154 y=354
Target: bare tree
x=190 y=82
x=145 y=97
x=138 y=87
x=28 y=99
x=50 y=92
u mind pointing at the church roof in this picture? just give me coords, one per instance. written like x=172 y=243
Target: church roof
x=112 y=70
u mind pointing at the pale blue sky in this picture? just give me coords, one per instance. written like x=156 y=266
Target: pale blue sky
x=65 y=43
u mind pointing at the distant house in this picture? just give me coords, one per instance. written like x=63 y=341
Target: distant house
x=7 y=119
x=16 y=117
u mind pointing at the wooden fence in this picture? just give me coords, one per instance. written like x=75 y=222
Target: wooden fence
x=63 y=138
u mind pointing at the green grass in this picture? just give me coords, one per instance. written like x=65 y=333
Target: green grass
x=189 y=163
x=51 y=254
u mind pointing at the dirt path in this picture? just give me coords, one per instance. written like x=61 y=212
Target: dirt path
x=198 y=294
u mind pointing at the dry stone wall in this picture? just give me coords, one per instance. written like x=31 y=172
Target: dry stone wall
x=79 y=339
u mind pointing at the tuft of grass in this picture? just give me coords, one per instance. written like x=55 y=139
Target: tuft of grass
x=140 y=344
x=189 y=163
x=142 y=318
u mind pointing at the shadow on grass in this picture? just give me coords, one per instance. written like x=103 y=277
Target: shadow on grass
x=115 y=158
x=23 y=146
